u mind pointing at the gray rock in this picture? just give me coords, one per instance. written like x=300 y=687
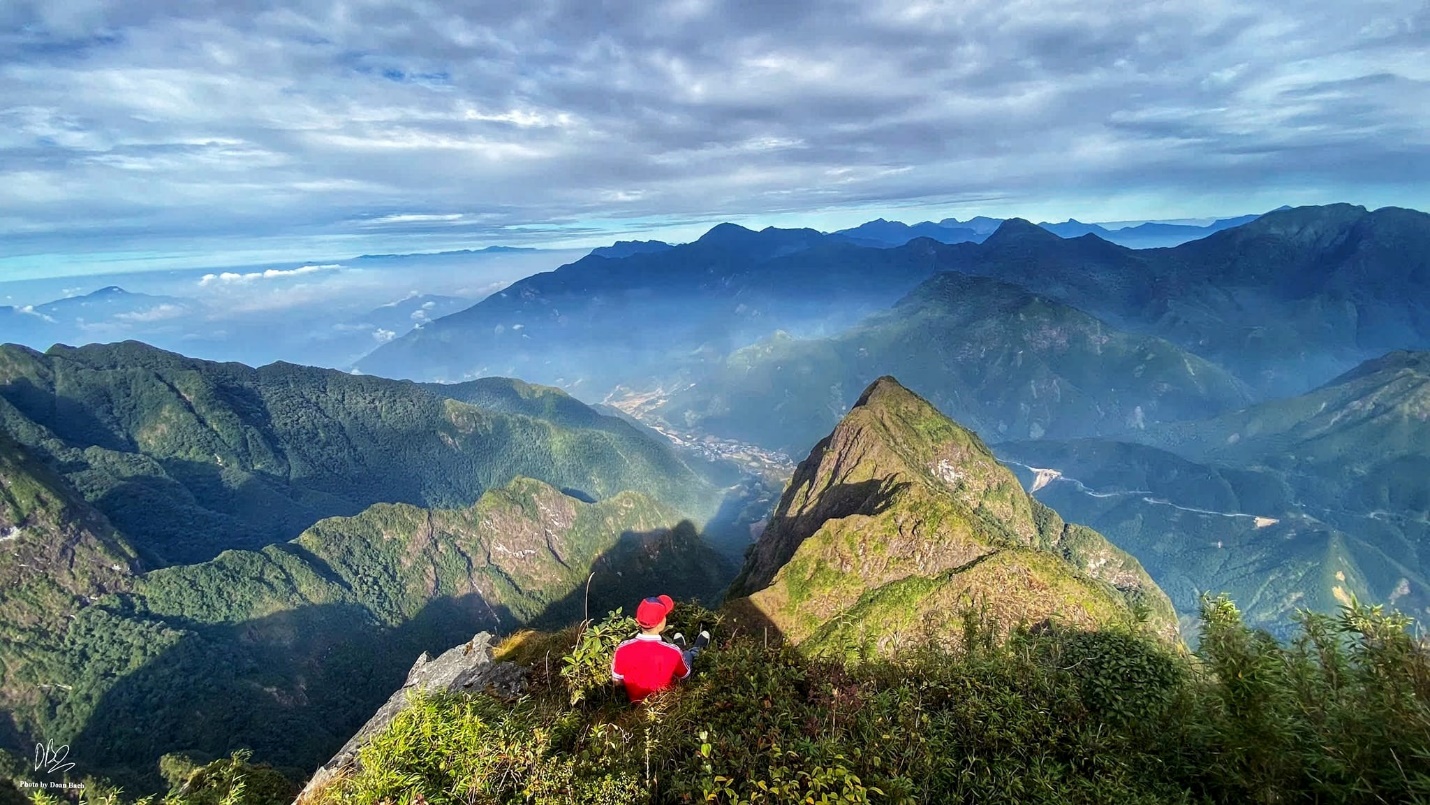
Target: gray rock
x=467 y=668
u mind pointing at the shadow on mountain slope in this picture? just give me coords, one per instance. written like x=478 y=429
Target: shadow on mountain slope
x=74 y=419
x=675 y=562
x=293 y=686
x=196 y=500
x=868 y=498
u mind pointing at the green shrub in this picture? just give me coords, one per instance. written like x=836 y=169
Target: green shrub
x=586 y=669
x=1341 y=714
x=235 y=781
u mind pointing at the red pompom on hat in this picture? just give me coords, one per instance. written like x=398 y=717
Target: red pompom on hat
x=653 y=610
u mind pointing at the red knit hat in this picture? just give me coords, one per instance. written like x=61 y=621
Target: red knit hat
x=653 y=610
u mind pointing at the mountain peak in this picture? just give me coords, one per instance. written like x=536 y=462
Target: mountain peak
x=627 y=248
x=1019 y=231
x=890 y=440
x=725 y=232
x=1317 y=225
x=883 y=389
x=900 y=494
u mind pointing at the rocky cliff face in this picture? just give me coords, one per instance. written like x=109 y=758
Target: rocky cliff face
x=467 y=668
x=901 y=520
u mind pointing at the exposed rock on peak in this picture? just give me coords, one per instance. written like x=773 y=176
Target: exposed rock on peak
x=467 y=668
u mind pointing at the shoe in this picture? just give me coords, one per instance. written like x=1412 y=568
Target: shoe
x=679 y=640
x=703 y=640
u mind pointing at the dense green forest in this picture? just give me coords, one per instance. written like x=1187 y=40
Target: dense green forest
x=287 y=650
x=188 y=458
x=201 y=556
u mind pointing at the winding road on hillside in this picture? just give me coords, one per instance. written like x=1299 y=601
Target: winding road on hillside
x=1043 y=476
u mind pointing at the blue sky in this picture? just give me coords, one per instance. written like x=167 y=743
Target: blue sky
x=160 y=134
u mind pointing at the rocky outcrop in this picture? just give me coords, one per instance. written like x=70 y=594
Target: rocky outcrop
x=467 y=668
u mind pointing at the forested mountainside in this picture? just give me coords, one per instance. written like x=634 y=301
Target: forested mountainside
x=1297 y=503
x=188 y=458
x=1011 y=364
x=606 y=321
x=149 y=500
x=1284 y=301
x=287 y=650
x=56 y=555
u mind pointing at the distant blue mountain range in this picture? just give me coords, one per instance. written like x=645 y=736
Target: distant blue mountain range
x=881 y=233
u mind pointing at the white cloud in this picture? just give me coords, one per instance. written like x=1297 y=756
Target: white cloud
x=29 y=310
x=147 y=126
x=161 y=312
x=382 y=336
x=231 y=278
x=412 y=218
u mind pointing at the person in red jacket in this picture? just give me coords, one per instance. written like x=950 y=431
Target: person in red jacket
x=646 y=663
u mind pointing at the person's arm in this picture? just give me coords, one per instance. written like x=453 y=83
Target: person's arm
x=617 y=667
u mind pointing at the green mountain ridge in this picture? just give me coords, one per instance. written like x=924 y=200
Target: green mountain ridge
x=1285 y=302
x=900 y=520
x=1201 y=528
x=1008 y=363
x=1362 y=439
x=57 y=554
x=188 y=457
x=602 y=322
x=1296 y=503
x=148 y=500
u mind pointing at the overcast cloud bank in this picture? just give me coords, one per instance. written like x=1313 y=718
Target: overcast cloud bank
x=147 y=129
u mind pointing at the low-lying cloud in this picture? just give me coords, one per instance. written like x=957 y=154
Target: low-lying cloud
x=232 y=278
x=162 y=312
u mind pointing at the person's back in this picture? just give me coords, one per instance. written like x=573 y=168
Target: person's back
x=647 y=663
